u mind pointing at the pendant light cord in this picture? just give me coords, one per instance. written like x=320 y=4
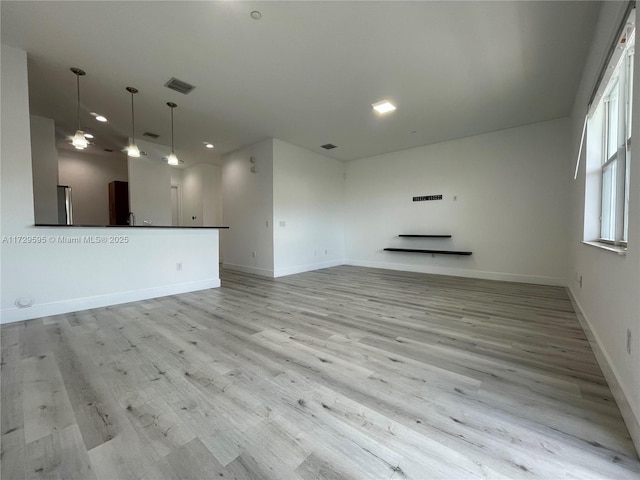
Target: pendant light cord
x=172 y=157
x=172 y=150
x=133 y=121
x=78 y=84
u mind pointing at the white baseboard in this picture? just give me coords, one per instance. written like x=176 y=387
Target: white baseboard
x=461 y=272
x=75 y=304
x=610 y=374
x=263 y=272
x=281 y=272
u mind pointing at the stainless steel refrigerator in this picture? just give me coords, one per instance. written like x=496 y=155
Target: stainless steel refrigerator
x=65 y=205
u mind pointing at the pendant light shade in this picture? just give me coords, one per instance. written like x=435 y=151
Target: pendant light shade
x=79 y=141
x=132 y=149
x=172 y=159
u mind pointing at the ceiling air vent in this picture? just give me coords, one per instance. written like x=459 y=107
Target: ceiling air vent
x=150 y=134
x=328 y=146
x=179 y=86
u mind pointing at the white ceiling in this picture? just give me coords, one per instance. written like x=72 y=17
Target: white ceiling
x=307 y=72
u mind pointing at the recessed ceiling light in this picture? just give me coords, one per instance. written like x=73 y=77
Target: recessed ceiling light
x=256 y=15
x=208 y=145
x=384 y=106
x=98 y=117
x=87 y=135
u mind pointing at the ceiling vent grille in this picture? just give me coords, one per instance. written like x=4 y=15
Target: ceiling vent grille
x=179 y=86
x=328 y=146
x=150 y=134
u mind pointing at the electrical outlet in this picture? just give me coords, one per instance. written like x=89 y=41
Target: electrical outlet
x=326 y=252
x=283 y=223
x=628 y=341
x=179 y=267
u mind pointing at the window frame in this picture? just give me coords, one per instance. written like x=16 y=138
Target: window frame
x=614 y=154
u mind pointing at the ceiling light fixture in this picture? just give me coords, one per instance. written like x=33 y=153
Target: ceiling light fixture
x=256 y=15
x=132 y=149
x=79 y=141
x=208 y=145
x=88 y=135
x=384 y=106
x=172 y=159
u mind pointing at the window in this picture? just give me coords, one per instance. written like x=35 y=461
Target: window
x=609 y=150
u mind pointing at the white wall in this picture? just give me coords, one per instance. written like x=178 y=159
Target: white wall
x=150 y=186
x=89 y=176
x=211 y=194
x=248 y=209
x=191 y=197
x=308 y=210
x=45 y=169
x=61 y=277
x=510 y=209
x=176 y=180
x=608 y=298
x=202 y=195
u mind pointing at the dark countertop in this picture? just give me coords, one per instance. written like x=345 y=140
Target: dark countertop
x=122 y=226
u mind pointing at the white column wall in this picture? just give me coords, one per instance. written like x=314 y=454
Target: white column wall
x=248 y=209
x=308 y=210
x=45 y=168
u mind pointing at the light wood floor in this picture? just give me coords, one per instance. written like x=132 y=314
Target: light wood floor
x=347 y=372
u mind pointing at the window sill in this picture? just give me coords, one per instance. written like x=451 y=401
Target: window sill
x=609 y=248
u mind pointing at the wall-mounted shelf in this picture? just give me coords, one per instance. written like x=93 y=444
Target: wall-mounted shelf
x=419 y=250
x=424 y=236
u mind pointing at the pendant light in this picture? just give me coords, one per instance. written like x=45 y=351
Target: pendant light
x=172 y=159
x=132 y=149
x=79 y=141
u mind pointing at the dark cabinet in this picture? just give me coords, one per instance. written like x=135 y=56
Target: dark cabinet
x=118 y=203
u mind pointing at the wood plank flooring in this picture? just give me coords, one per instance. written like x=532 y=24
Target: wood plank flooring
x=341 y=373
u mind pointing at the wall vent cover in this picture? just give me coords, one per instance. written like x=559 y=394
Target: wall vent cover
x=150 y=134
x=179 y=86
x=329 y=146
